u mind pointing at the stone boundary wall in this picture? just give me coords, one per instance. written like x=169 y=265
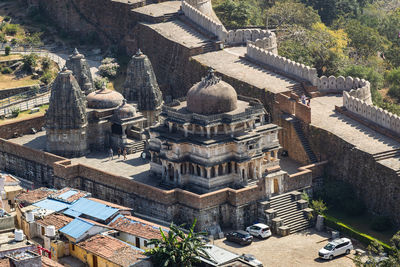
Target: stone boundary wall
x=4 y=93
x=294 y=107
x=371 y=113
x=261 y=38
x=204 y=21
x=21 y=127
x=282 y=64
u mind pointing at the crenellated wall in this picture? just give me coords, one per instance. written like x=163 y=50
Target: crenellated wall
x=282 y=64
x=371 y=113
x=261 y=38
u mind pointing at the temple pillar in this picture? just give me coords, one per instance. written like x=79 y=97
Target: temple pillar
x=215 y=130
x=232 y=127
x=224 y=168
x=208 y=131
x=124 y=140
x=201 y=171
x=151 y=156
x=202 y=130
x=225 y=129
x=269 y=156
x=170 y=124
x=185 y=130
x=208 y=170
x=262 y=119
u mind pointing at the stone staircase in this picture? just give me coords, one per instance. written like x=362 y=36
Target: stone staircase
x=136 y=147
x=208 y=47
x=387 y=154
x=291 y=211
x=170 y=16
x=297 y=126
x=298 y=89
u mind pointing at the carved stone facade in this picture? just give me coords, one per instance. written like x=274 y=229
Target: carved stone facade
x=66 y=118
x=141 y=87
x=81 y=70
x=210 y=149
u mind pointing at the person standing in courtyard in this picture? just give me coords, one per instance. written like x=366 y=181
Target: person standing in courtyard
x=119 y=152
x=111 y=154
x=124 y=153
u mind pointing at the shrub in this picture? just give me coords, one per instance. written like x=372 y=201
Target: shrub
x=3 y=38
x=6 y=70
x=14 y=41
x=99 y=82
x=46 y=63
x=109 y=68
x=381 y=223
x=46 y=78
x=319 y=206
x=11 y=29
x=349 y=231
x=7 y=18
x=30 y=62
x=7 y=50
x=15 y=112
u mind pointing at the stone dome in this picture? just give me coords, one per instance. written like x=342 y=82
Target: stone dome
x=104 y=98
x=124 y=111
x=211 y=96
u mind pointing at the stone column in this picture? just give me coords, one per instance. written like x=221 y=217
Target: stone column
x=208 y=131
x=269 y=156
x=151 y=156
x=215 y=130
x=124 y=141
x=260 y=168
x=162 y=170
x=224 y=168
x=262 y=120
x=202 y=130
x=178 y=179
x=201 y=171
x=175 y=173
x=208 y=170
x=225 y=129
x=170 y=126
x=185 y=130
x=232 y=127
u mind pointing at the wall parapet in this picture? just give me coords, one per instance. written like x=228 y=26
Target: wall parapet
x=282 y=64
x=261 y=38
x=371 y=113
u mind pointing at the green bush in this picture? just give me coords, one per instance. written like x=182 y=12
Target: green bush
x=6 y=70
x=381 y=223
x=7 y=18
x=46 y=78
x=319 y=206
x=349 y=231
x=46 y=63
x=7 y=50
x=30 y=61
x=14 y=41
x=11 y=29
x=15 y=112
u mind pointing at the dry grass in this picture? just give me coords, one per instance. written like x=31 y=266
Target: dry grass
x=10 y=57
x=25 y=114
x=10 y=81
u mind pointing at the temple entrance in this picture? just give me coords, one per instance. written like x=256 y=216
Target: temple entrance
x=170 y=172
x=276 y=186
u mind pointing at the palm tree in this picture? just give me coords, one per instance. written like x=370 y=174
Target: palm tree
x=176 y=248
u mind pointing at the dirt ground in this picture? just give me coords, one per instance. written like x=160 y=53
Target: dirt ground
x=299 y=249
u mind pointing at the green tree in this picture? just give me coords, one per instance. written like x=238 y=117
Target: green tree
x=30 y=62
x=366 y=40
x=393 y=78
x=7 y=50
x=364 y=72
x=233 y=14
x=286 y=14
x=176 y=248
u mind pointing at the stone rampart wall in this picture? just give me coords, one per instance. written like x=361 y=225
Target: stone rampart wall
x=21 y=127
x=261 y=38
x=14 y=91
x=371 y=113
x=282 y=64
x=294 y=107
x=204 y=21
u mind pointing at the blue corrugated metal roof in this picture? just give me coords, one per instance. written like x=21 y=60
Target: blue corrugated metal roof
x=116 y=217
x=72 y=213
x=76 y=228
x=68 y=194
x=93 y=209
x=51 y=204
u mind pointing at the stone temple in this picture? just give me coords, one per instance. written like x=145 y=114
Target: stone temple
x=141 y=87
x=77 y=123
x=215 y=140
x=81 y=70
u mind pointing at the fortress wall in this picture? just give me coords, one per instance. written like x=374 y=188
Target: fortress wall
x=107 y=19
x=204 y=21
x=371 y=113
x=375 y=184
x=282 y=64
x=261 y=38
x=20 y=127
x=291 y=105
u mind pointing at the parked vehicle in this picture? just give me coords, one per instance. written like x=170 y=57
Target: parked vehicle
x=335 y=248
x=240 y=237
x=259 y=230
x=251 y=260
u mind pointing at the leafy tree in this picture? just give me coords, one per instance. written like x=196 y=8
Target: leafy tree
x=33 y=39
x=233 y=14
x=393 y=78
x=7 y=50
x=366 y=40
x=30 y=61
x=11 y=29
x=285 y=14
x=177 y=248
x=318 y=206
x=109 y=68
x=364 y=72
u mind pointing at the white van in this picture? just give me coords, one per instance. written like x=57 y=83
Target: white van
x=335 y=248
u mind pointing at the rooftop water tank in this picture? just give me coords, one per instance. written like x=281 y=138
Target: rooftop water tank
x=19 y=235
x=29 y=216
x=50 y=231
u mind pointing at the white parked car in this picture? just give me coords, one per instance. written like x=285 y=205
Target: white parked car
x=335 y=248
x=250 y=259
x=259 y=230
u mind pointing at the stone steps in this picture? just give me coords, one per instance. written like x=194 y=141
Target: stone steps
x=387 y=154
x=287 y=209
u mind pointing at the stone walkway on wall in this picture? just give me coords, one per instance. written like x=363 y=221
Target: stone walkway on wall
x=244 y=70
x=351 y=131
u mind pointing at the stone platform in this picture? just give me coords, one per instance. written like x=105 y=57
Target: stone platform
x=323 y=116
x=229 y=62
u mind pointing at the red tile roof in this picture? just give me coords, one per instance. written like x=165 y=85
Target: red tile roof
x=137 y=227
x=33 y=196
x=112 y=249
x=58 y=220
x=46 y=262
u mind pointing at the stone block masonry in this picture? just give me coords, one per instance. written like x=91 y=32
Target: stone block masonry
x=15 y=128
x=372 y=113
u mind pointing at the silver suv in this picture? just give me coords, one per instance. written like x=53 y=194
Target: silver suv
x=335 y=248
